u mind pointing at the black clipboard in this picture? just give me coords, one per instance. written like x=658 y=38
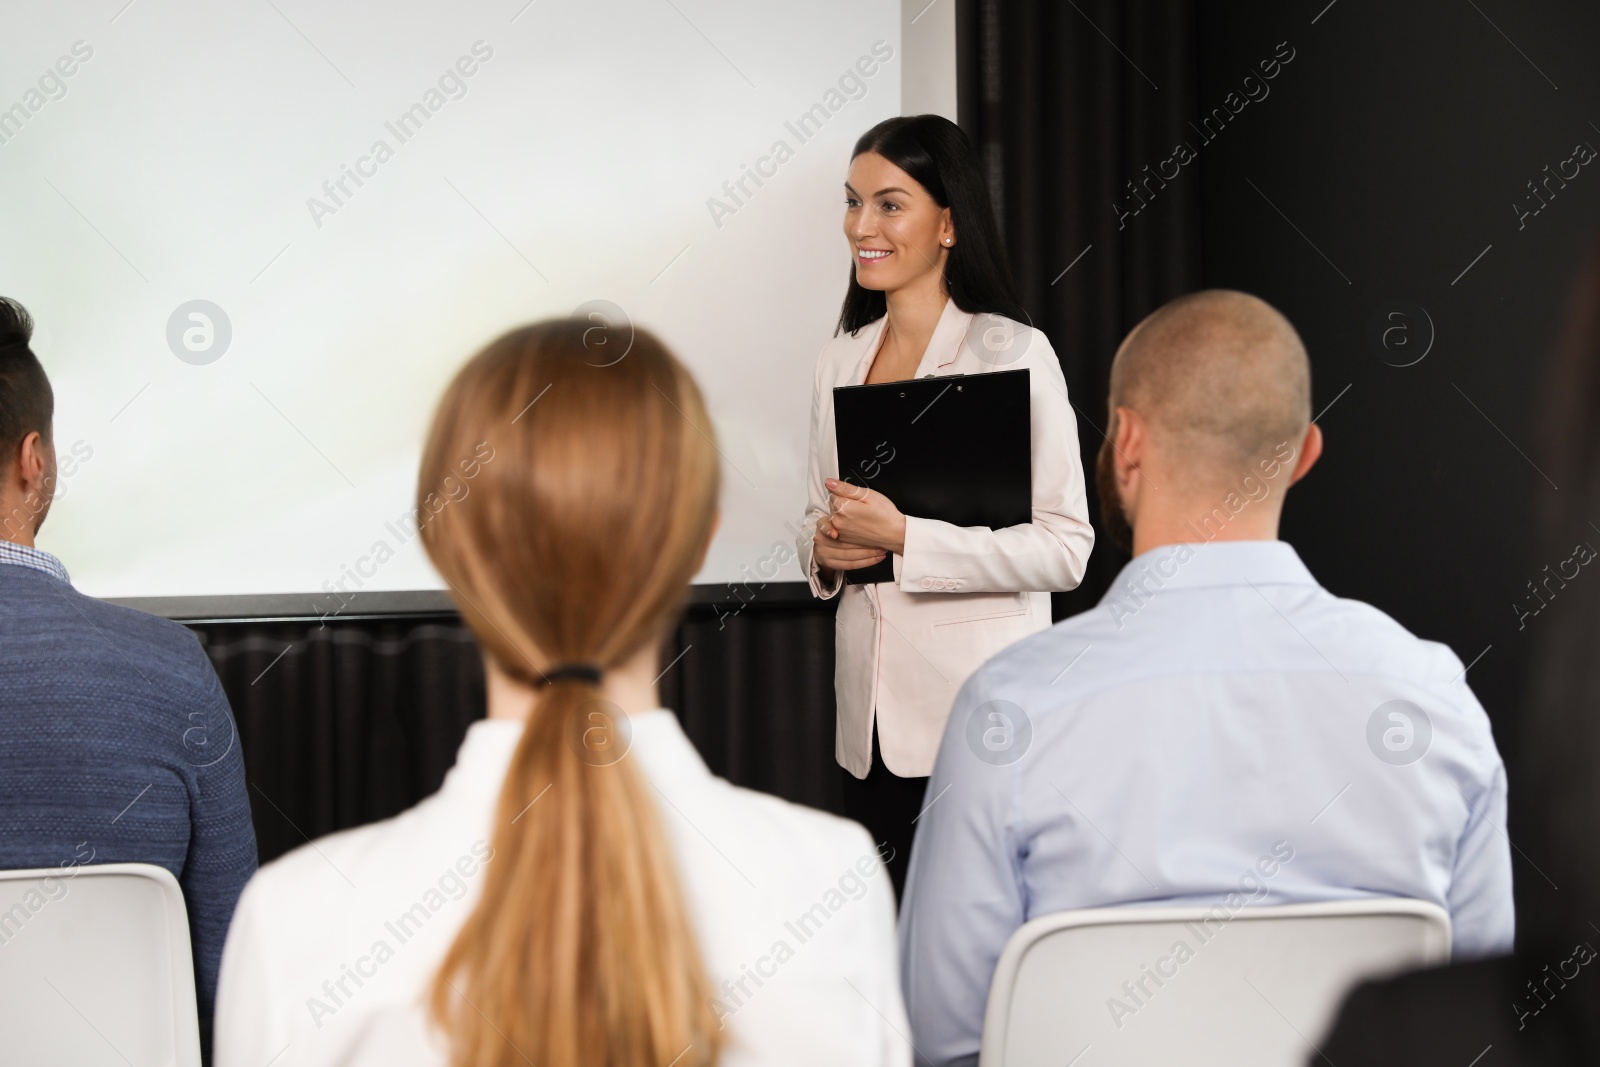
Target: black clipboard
x=957 y=448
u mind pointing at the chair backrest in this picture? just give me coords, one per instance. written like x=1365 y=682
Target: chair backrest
x=1195 y=985
x=95 y=968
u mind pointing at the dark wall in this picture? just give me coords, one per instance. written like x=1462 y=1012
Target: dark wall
x=1387 y=157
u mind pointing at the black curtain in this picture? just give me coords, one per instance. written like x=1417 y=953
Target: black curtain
x=344 y=724
x=1067 y=103
x=358 y=720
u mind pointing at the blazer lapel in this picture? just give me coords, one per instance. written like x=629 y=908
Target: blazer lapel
x=944 y=348
x=948 y=336
x=873 y=341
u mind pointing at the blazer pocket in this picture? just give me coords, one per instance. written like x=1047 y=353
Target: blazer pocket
x=982 y=618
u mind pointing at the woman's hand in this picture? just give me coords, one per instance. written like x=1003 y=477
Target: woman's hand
x=863 y=517
x=831 y=556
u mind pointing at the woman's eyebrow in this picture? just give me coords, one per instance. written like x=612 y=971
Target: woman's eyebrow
x=891 y=189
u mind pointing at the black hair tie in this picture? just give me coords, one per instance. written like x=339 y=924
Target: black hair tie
x=581 y=672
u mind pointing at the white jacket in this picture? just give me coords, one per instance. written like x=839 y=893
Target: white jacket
x=334 y=946
x=962 y=594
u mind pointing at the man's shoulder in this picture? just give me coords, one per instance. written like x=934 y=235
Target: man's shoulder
x=1377 y=643
x=1103 y=646
x=1063 y=656
x=157 y=633
x=79 y=622
x=1046 y=673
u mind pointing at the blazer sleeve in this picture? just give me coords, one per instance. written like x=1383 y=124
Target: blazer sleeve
x=816 y=491
x=1049 y=553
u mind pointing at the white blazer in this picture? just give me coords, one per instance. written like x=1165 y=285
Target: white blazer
x=961 y=594
x=333 y=947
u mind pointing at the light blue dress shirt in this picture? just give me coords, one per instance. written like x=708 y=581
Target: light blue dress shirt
x=1218 y=706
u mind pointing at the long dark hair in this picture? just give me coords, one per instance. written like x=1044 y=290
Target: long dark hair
x=935 y=152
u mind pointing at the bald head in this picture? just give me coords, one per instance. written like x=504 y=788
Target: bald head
x=1221 y=379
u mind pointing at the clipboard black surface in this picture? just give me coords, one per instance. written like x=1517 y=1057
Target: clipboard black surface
x=958 y=449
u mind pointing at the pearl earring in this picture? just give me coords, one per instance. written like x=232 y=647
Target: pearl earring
x=947 y=240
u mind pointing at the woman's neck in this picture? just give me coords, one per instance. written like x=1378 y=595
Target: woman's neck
x=913 y=313
x=631 y=686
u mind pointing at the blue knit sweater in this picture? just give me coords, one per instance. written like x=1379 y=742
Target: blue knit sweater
x=117 y=745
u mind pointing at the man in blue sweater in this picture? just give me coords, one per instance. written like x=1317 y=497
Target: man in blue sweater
x=117 y=744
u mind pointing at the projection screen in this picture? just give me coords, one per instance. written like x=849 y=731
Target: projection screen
x=258 y=238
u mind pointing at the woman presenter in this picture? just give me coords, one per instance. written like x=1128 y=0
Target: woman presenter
x=930 y=295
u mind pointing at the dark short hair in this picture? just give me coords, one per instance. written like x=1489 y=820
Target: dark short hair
x=27 y=403
x=935 y=152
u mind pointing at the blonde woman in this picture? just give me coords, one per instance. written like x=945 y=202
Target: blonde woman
x=581 y=891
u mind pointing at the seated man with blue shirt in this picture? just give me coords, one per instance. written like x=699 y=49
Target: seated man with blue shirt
x=117 y=744
x=1219 y=720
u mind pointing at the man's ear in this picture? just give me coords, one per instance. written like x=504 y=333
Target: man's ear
x=1129 y=442
x=31 y=463
x=1310 y=452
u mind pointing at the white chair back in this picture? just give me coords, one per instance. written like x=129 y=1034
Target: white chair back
x=1195 y=985
x=95 y=968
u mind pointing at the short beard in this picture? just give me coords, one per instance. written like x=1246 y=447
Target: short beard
x=1112 y=516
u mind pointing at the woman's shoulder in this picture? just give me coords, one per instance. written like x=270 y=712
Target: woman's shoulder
x=821 y=828
x=999 y=342
x=794 y=875
x=803 y=828
x=356 y=873
x=1026 y=339
x=845 y=346
x=747 y=857
x=332 y=945
x=800 y=851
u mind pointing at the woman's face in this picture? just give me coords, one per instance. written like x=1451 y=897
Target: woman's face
x=898 y=233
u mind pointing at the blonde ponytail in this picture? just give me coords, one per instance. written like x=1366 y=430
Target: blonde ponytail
x=575 y=546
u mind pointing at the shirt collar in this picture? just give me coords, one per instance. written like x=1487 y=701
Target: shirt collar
x=655 y=738
x=1210 y=565
x=23 y=556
